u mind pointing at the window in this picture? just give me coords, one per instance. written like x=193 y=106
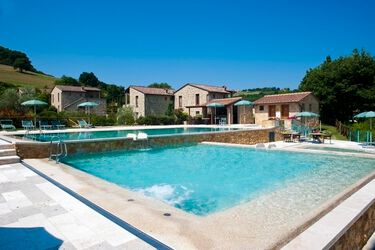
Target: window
x=302 y=107
x=136 y=114
x=165 y=98
x=310 y=107
x=197 y=112
x=213 y=96
x=136 y=101
x=58 y=97
x=180 y=101
x=196 y=99
x=261 y=108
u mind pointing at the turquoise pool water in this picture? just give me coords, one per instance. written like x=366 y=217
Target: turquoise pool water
x=119 y=133
x=202 y=179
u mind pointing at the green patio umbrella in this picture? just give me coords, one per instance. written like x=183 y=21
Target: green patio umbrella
x=215 y=105
x=368 y=114
x=34 y=103
x=88 y=106
x=309 y=114
x=306 y=114
x=243 y=103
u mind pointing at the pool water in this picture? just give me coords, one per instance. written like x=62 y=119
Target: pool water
x=203 y=179
x=119 y=133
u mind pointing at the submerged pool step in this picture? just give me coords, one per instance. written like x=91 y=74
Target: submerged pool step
x=9 y=159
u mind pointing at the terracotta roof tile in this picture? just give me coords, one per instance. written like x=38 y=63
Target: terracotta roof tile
x=224 y=101
x=153 y=91
x=210 y=88
x=70 y=88
x=282 y=98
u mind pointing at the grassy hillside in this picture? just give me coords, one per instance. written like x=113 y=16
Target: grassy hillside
x=25 y=79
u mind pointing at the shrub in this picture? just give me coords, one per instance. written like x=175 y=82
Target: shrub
x=181 y=116
x=125 y=116
x=156 y=120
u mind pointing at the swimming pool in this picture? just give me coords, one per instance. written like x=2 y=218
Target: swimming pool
x=203 y=179
x=87 y=135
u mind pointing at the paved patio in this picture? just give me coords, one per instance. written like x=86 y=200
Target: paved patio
x=35 y=214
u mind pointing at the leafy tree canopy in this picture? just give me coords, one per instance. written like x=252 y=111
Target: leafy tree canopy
x=162 y=85
x=344 y=86
x=17 y=59
x=89 y=79
x=67 y=80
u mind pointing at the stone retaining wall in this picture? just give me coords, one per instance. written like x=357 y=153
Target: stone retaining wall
x=41 y=149
x=358 y=234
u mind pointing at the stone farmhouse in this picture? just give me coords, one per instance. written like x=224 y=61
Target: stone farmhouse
x=272 y=108
x=147 y=101
x=67 y=98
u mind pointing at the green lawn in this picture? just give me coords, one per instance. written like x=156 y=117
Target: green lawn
x=334 y=132
x=26 y=79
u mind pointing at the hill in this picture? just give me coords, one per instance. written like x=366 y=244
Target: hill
x=25 y=79
x=256 y=93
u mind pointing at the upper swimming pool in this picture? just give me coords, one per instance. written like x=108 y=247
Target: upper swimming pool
x=87 y=135
x=203 y=179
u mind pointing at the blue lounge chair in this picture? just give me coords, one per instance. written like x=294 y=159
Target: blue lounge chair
x=44 y=125
x=27 y=124
x=7 y=125
x=84 y=124
x=57 y=124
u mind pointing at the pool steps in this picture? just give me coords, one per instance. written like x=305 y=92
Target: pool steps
x=8 y=154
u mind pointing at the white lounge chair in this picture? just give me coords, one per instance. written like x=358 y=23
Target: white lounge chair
x=142 y=136
x=131 y=136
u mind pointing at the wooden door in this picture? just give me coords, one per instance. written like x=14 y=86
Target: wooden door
x=271 y=111
x=285 y=111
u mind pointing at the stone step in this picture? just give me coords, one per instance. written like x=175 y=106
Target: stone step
x=9 y=159
x=7 y=152
x=6 y=146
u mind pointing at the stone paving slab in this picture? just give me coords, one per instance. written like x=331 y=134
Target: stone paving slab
x=35 y=214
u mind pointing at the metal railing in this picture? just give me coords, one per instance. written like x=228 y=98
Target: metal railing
x=61 y=150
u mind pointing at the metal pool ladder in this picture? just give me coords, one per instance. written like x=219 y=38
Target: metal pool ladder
x=61 y=150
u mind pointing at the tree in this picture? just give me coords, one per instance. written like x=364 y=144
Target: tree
x=10 y=100
x=17 y=59
x=67 y=80
x=344 y=86
x=89 y=79
x=21 y=64
x=162 y=85
x=125 y=116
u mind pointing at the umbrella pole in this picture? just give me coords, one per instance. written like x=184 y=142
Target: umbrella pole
x=35 y=116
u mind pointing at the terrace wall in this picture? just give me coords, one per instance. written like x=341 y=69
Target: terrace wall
x=41 y=149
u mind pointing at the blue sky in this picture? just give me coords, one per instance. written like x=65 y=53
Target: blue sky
x=242 y=44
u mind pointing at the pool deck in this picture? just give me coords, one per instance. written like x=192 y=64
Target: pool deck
x=29 y=203
x=28 y=200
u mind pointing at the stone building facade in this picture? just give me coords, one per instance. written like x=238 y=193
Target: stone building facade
x=147 y=101
x=67 y=98
x=191 y=95
x=283 y=106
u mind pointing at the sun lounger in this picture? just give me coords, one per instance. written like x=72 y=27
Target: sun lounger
x=7 y=125
x=27 y=124
x=57 y=124
x=131 y=136
x=84 y=124
x=44 y=125
x=142 y=136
